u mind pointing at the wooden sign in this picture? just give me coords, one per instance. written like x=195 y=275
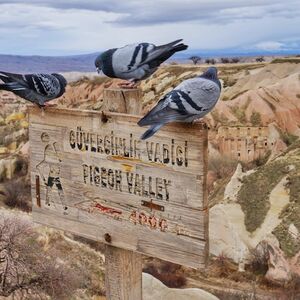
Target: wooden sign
x=92 y=175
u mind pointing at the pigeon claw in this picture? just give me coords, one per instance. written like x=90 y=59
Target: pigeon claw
x=127 y=85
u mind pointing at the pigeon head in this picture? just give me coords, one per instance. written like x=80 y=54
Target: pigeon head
x=99 y=63
x=212 y=74
x=62 y=80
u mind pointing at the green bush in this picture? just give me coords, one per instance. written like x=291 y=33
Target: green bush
x=255 y=118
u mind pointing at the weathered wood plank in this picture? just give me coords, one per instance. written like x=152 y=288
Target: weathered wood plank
x=122 y=100
x=98 y=177
x=123 y=274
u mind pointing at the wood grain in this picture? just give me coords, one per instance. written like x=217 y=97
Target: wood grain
x=123 y=274
x=95 y=174
x=122 y=101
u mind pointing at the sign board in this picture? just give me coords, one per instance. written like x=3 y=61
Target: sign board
x=92 y=175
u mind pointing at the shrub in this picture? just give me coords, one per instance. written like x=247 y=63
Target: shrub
x=260 y=59
x=222 y=266
x=210 y=61
x=195 y=59
x=287 y=137
x=29 y=273
x=235 y=60
x=17 y=194
x=224 y=60
x=255 y=118
x=239 y=113
x=223 y=166
x=255 y=191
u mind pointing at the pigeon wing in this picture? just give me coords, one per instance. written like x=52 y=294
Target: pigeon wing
x=159 y=54
x=193 y=97
x=163 y=112
x=196 y=95
x=43 y=84
x=11 y=77
x=129 y=57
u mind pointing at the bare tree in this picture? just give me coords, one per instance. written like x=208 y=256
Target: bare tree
x=260 y=59
x=210 y=61
x=224 y=60
x=235 y=60
x=26 y=272
x=195 y=59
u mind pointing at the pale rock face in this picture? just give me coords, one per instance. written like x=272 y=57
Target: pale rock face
x=227 y=231
x=274 y=134
x=24 y=150
x=234 y=184
x=295 y=264
x=293 y=231
x=153 y=289
x=213 y=152
x=278 y=147
x=279 y=271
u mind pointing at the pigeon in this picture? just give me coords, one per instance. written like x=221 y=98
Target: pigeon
x=36 y=88
x=190 y=100
x=136 y=62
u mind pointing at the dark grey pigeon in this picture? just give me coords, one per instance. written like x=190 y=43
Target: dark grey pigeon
x=136 y=61
x=192 y=99
x=36 y=88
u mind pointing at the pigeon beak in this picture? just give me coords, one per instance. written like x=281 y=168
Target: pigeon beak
x=98 y=70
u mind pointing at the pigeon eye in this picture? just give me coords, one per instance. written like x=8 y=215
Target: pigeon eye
x=189 y=92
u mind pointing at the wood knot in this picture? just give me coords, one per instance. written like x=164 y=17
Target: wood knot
x=107 y=237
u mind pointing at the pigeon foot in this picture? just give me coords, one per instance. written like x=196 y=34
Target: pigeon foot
x=49 y=104
x=127 y=85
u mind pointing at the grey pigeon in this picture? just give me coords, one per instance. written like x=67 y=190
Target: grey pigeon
x=190 y=100
x=136 y=62
x=36 y=88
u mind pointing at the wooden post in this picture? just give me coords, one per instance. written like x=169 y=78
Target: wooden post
x=122 y=101
x=123 y=274
x=123 y=268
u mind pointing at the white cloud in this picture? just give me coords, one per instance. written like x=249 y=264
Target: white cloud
x=76 y=26
x=270 y=46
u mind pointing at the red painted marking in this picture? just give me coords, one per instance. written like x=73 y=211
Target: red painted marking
x=149 y=221
x=106 y=209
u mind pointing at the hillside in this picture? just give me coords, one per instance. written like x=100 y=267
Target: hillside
x=254 y=205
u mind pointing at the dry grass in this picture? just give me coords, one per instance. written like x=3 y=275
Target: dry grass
x=285 y=60
x=169 y=274
x=254 y=193
x=29 y=273
x=223 y=167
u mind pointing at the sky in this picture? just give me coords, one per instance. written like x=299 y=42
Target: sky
x=67 y=27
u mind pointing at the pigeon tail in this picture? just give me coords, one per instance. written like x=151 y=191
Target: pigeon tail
x=4 y=77
x=180 y=47
x=12 y=86
x=4 y=87
x=3 y=74
x=169 y=45
x=151 y=131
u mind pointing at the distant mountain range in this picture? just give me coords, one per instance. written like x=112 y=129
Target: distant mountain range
x=48 y=64
x=85 y=62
